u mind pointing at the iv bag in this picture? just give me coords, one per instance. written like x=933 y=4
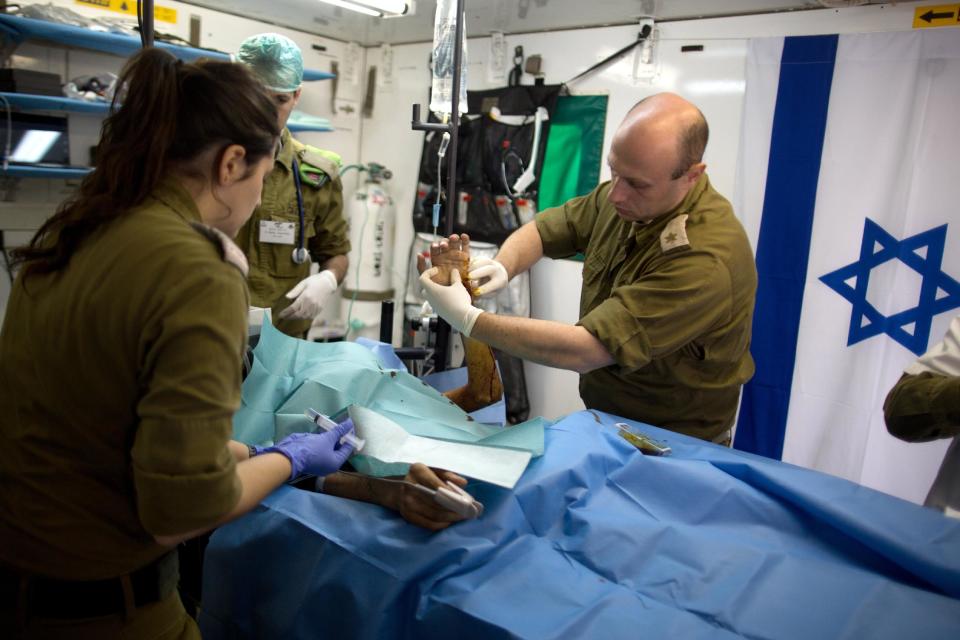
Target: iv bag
x=444 y=38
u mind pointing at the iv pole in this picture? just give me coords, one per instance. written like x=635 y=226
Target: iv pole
x=146 y=29
x=452 y=127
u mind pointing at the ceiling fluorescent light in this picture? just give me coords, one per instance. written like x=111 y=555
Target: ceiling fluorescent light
x=353 y=7
x=377 y=8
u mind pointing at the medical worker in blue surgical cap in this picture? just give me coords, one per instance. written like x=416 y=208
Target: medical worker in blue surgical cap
x=300 y=221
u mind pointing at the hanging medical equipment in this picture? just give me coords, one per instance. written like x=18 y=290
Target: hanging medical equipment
x=513 y=80
x=370 y=215
x=529 y=176
x=441 y=152
x=448 y=72
x=444 y=38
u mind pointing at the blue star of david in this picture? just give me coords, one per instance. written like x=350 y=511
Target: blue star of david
x=938 y=291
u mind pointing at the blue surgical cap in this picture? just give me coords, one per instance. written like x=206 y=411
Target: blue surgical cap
x=275 y=59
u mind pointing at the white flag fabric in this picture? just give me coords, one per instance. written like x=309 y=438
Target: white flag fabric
x=848 y=183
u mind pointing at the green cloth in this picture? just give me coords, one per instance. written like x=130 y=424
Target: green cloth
x=120 y=375
x=675 y=315
x=272 y=270
x=390 y=450
x=290 y=375
x=572 y=161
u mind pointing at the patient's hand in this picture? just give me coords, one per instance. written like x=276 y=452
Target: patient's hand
x=415 y=506
x=419 y=508
x=447 y=255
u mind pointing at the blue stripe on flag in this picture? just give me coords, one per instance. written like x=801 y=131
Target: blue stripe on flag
x=803 y=95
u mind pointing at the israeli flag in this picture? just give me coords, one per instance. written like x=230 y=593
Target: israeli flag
x=849 y=187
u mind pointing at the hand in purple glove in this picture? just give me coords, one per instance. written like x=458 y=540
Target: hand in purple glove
x=317 y=454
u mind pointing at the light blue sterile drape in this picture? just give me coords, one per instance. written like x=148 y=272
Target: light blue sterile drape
x=597 y=541
x=290 y=375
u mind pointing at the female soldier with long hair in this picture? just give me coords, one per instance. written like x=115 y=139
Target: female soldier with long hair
x=120 y=360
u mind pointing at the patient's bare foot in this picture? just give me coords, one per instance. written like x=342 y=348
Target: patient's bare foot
x=449 y=254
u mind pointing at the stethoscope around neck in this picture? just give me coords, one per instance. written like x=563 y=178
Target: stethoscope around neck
x=300 y=253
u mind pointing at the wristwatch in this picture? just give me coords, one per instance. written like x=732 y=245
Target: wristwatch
x=251 y=451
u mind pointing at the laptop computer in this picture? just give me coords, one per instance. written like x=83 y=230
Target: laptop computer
x=36 y=140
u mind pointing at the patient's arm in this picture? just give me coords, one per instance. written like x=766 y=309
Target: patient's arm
x=484 y=386
x=415 y=507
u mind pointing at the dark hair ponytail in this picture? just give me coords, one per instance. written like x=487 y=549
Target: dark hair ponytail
x=171 y=113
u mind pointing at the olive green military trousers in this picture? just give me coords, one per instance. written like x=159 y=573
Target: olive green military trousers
x=163 y=620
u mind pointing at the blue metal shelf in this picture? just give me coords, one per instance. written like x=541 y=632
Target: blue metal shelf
x=310 y=75
x=19 y=29
x=54 y=103
x=296 y=128
x=300 y=121
x=34 y=102
x=22 y=171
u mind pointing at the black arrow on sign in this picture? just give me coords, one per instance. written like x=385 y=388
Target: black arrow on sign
x=930 y=16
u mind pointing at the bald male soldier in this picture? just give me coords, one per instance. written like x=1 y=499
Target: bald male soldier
x=668 y=288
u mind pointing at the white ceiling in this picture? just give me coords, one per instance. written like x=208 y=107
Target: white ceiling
x=484 y=16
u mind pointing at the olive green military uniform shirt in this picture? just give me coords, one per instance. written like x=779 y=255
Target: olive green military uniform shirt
x=924 y=405
x=272 y=270
x=119 y=377
x=671 y=300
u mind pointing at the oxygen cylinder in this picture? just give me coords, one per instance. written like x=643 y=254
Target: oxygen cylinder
x=370 y=215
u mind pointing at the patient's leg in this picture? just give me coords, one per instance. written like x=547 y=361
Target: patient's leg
x=483 y=381
x=483 y=386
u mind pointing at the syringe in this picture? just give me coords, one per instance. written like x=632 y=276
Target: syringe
x=325 y=423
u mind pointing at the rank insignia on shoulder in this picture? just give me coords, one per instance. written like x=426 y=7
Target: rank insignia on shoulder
x=316 y=179
x=317 y=166
x=227 y=248
x=674 y=235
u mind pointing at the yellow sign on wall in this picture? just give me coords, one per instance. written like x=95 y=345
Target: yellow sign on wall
x=938 y=15
x=129 y=7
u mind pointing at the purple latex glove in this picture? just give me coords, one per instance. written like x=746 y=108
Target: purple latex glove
x=318 y=454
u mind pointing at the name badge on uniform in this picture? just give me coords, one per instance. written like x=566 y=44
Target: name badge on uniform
x=276 y=232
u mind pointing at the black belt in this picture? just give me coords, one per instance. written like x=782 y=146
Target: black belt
x=43 y=597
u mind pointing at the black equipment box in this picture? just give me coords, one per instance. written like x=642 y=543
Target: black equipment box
x=26 y=81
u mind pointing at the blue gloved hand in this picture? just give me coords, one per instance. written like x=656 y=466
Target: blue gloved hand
x=317 y=454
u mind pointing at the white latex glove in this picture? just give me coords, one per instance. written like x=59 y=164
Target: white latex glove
x=488 y=268
x=309 y=296
x=451 y=303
